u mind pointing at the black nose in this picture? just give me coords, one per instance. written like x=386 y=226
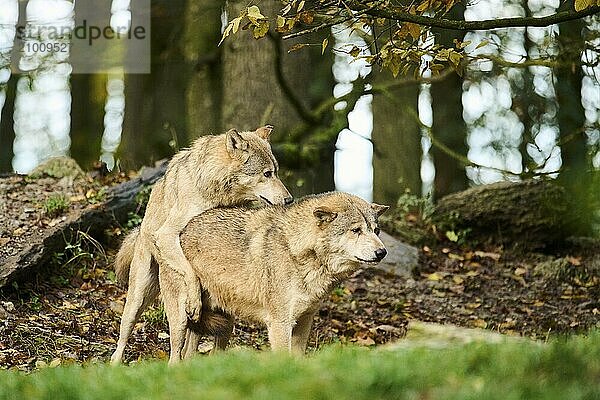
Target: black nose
x=288 y=200
x=380 y=253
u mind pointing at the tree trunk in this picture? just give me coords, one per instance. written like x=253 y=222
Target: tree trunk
x=576 y=174
x=265 y=85
x=396 y=144
x=87 y=111
x=93 y=219
x=7 y=133
x=154 y=102
x=203 y=93
x=448 y=125
x=531 y=214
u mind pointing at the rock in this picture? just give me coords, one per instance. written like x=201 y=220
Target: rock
x=401 y=258
x=431 y=335
x=58 y=167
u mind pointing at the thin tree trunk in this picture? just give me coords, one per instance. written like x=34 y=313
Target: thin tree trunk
x=155 y=103
x=448 y=125
x=7 y=133
x=203 y=93
x=88 y=94
x=576 y=175
x=263 y=84
x=397 y=144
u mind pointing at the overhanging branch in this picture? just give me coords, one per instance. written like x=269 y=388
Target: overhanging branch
x=398 y=14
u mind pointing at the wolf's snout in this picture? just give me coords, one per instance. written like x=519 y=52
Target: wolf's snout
x=380 y=253
x=288 y=200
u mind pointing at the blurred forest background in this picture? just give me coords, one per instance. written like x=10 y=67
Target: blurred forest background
x=525 y=101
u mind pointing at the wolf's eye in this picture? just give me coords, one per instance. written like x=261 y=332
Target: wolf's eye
x=356 y=230
x=376 y=230
x=268 y=174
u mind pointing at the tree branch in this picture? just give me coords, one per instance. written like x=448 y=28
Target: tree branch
x=303 y=112
x=398 y=14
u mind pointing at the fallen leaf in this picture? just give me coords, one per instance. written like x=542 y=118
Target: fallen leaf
x=365 y=342
x=163 y=335
x=520 y=271
x=324 y=45
x=453 y=256
x=452 y=236
x=435 y=277
x=479 y=323
x=574 y=260
x=484 y=254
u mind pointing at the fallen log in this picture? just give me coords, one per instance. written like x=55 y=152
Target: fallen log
x=531 y=214
x=29 y=236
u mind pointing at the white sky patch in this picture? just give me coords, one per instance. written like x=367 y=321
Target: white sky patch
x=42 y=115
x=353 y=159
x=120 y=19
x=114 y=111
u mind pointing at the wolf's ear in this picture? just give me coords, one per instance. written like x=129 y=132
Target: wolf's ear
x=236 y=144
x=379 y=209
x=264 y=131
x=324 y=215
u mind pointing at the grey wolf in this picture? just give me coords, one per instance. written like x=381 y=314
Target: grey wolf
x=218 y=170
x=272 y=265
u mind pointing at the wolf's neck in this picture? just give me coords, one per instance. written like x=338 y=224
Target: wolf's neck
x=212 y=180
x=318 y=271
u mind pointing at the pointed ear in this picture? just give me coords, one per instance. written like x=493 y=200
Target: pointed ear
x=378 y=208
x=236 y=144
x=264 y=131
x=324 y=215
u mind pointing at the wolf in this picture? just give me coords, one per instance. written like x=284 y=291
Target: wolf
x=272 y=265
x=230 y=169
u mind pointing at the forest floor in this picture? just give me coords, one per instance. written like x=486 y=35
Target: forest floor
x=70 y=312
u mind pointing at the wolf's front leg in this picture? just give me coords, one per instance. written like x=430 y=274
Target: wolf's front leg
x=301 y=332
x=170 y=255
x=280 y=335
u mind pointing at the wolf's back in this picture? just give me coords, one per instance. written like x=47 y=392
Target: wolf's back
x=125 y=256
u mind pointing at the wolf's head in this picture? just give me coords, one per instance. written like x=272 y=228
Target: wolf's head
x=257 y=177
x=348 y=229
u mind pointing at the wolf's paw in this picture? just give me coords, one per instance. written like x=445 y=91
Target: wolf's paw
x=193 y=305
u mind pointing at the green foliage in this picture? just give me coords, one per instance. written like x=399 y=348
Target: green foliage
x=55 y=205
x=141 y=199
x=81 y=248
x=409 y=203
x=155 y=315
x=97 y=197
x=409 y=219
x=560 y=369
x=133 y=220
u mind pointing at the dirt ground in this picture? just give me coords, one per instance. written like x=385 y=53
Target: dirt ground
x=70 y=312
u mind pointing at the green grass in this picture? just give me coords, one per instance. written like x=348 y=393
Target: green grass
x=561 y=369
x=55 y=205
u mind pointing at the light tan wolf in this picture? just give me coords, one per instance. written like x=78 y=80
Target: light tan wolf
x=220 y=170
x=272 y=265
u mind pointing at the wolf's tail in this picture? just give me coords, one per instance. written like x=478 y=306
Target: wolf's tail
x=125 y=256
x=212 y=322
